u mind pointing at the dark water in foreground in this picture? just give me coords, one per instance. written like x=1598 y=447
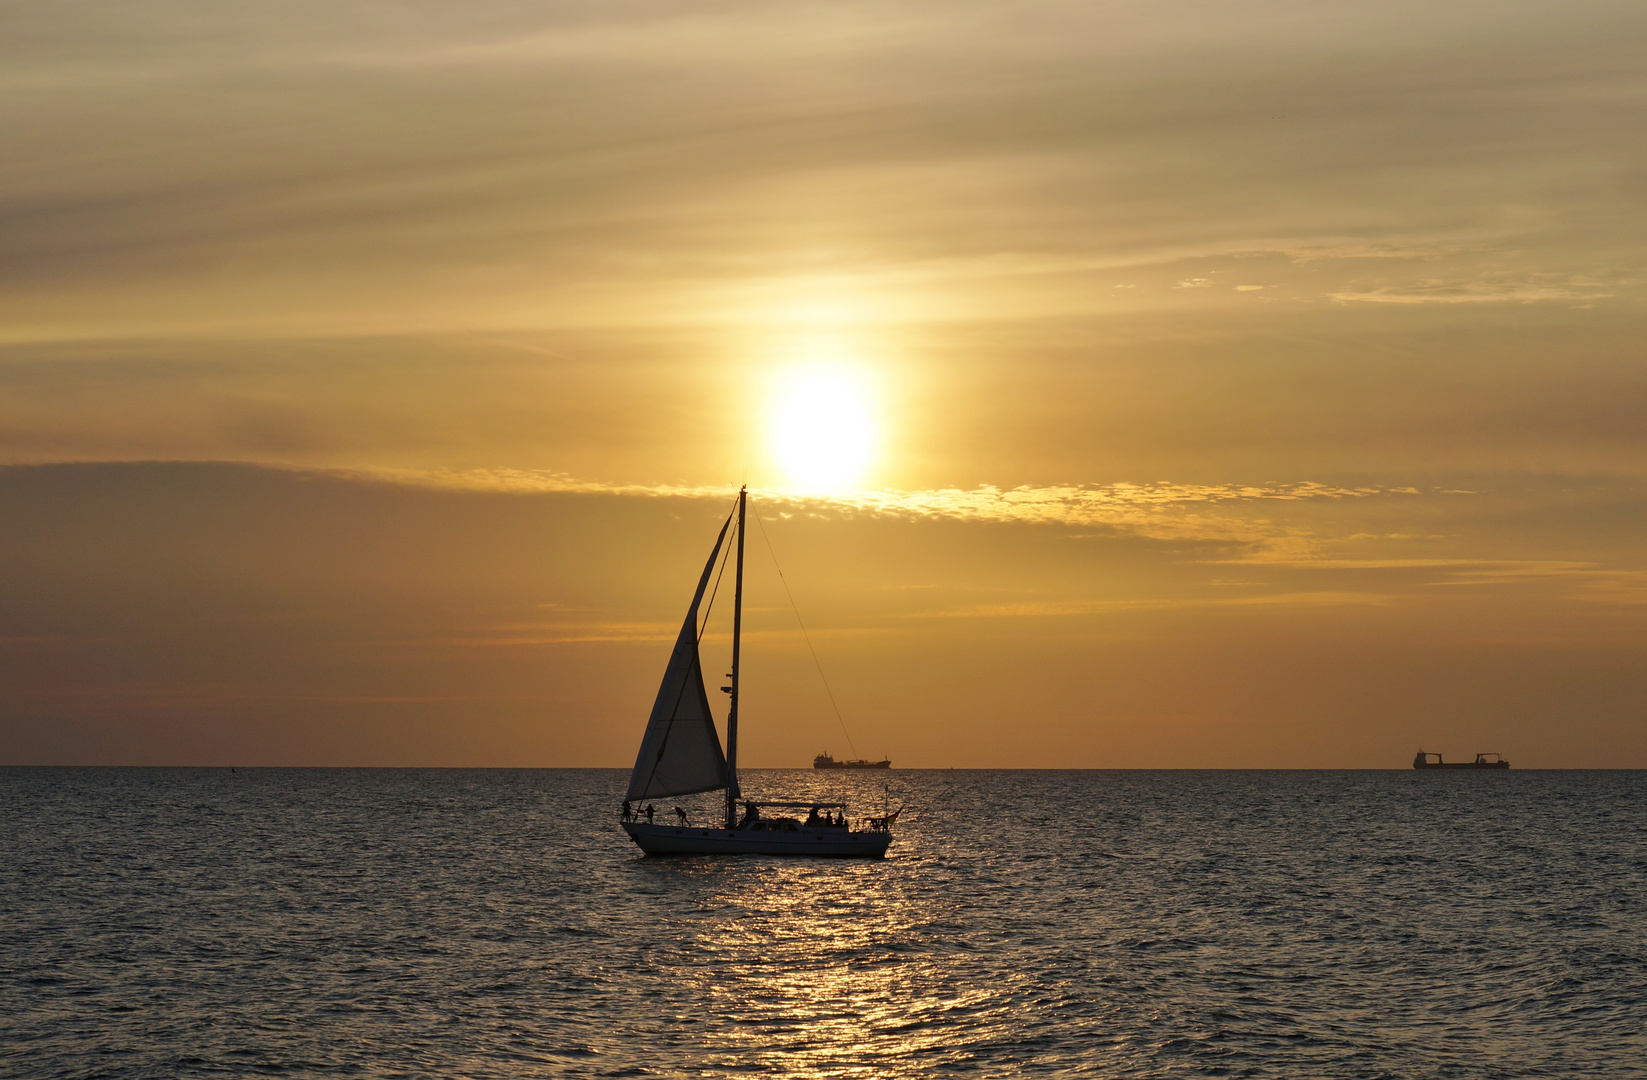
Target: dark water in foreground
x=496 y=923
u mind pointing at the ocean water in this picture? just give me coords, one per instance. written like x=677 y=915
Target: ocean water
x=454 y=923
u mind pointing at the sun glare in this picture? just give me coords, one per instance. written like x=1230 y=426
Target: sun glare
x=823 y=427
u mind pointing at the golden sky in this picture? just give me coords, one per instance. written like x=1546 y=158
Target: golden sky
x=1121 y=384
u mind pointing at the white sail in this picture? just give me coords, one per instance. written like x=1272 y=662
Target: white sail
x=681 y=752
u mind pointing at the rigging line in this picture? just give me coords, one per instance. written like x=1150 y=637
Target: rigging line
x=726 y=553
x=806 y=636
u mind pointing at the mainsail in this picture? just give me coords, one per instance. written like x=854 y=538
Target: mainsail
x=681 y=752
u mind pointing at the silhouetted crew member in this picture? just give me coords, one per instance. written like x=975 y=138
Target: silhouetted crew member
x=682 y=815
x=649 y=809
x=628 y=811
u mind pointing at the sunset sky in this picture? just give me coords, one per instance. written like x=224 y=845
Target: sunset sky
x=1118 y=384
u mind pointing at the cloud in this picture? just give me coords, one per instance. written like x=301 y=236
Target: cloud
x=1052 y=609
x=1199 y=513
x=564 y=634
x=1590 y=581
x=1443 y=291
x=1164 y=510
x=354 y=167
x=1072 y=504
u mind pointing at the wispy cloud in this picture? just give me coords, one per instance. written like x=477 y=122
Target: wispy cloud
x=1050 y=609
x=1159 y=510
x=1587 y=580
x=1478 y=291
x=530 y=634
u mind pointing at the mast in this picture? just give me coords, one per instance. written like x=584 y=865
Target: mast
x=732 y=791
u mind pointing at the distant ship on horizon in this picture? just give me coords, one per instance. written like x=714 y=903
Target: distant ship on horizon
x=1422 y=761
x=824 y=761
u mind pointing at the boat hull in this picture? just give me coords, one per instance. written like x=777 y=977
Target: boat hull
x=1464 y=765
x=690 y=840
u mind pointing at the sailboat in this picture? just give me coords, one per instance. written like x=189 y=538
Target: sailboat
x=680 y=754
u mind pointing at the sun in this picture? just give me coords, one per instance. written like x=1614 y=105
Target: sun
x=823 y=427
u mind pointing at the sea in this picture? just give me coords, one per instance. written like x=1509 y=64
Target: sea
x=498 y=923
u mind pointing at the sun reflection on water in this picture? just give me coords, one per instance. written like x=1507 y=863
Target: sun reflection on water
x=806 y=967
x=831 y=968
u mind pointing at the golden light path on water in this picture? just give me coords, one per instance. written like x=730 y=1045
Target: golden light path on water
x=788 y=954
x=497 y=923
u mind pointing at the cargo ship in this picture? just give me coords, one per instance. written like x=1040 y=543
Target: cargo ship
x=1482 y=761
x=824 y=761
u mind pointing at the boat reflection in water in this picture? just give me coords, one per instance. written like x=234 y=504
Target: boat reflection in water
x=680 y=754
x=1482 y=761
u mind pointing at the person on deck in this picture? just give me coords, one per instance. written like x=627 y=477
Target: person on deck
x=682 y=815
x=649 y=809
x=628 y=811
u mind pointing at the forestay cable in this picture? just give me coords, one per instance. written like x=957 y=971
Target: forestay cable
x=806 y=636
x=704 y=627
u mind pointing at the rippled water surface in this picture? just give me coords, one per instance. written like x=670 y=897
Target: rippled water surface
x=497 y=923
